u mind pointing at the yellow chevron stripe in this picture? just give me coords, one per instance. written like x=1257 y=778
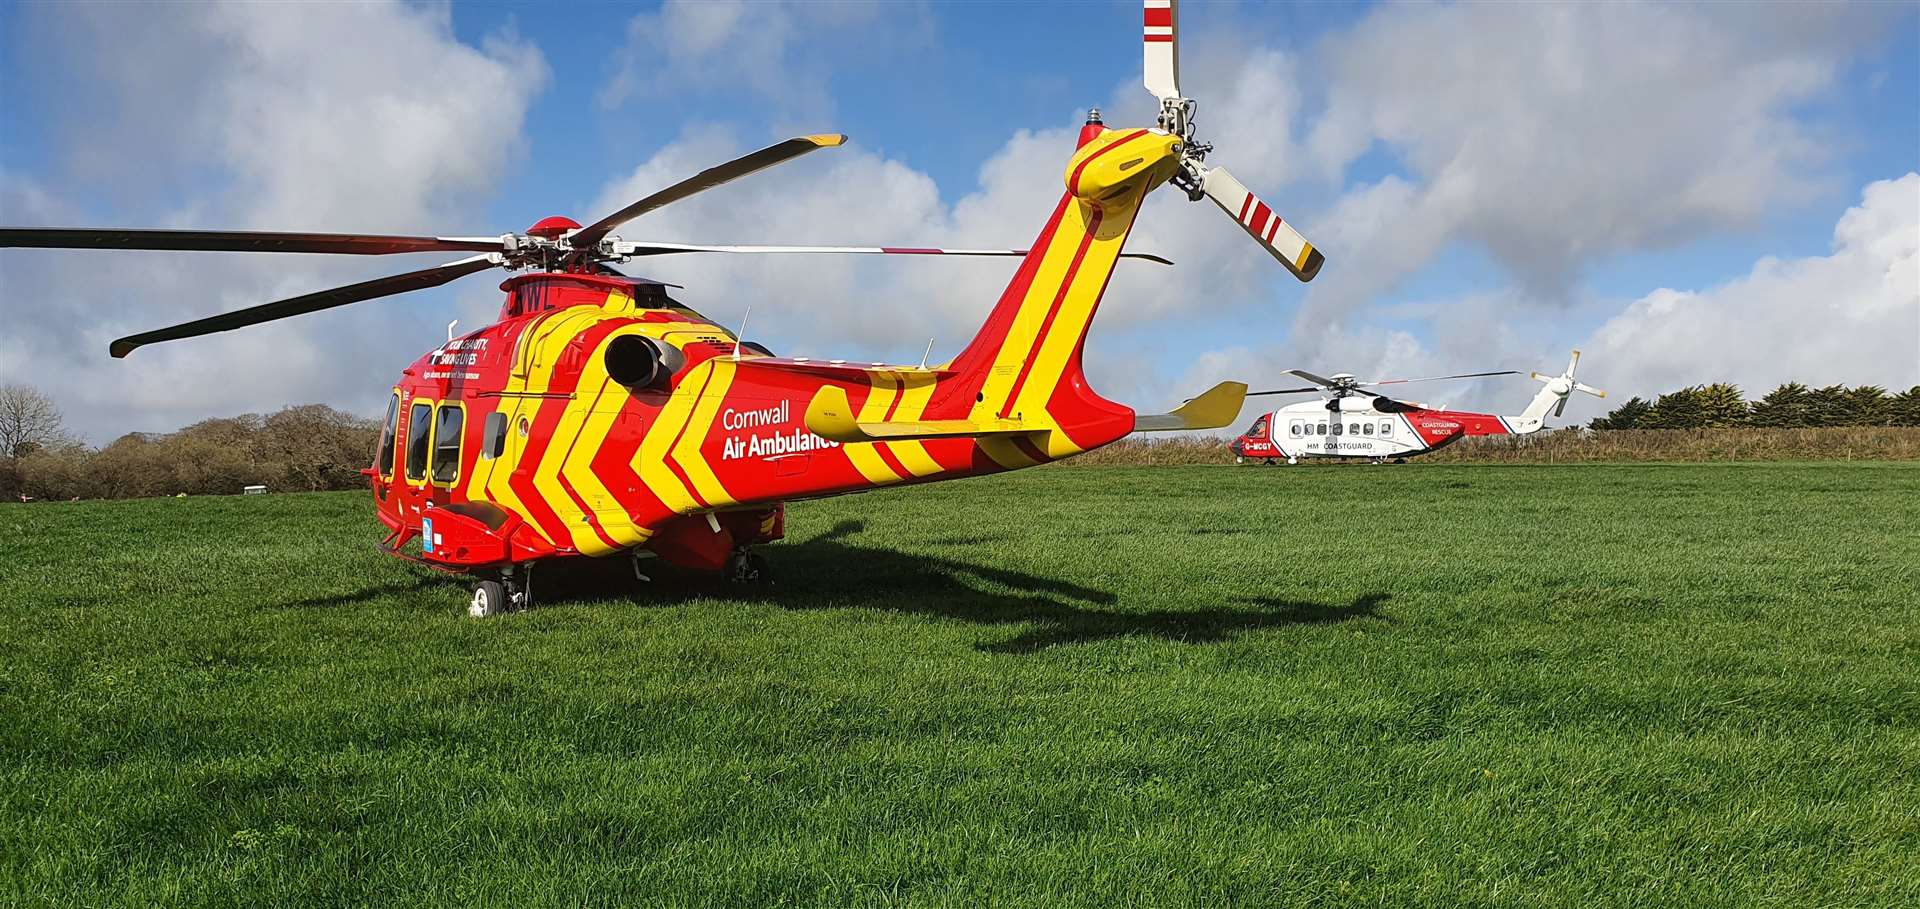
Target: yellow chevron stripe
x=651 y=460
x=1069 y=324
x=549 y=348
x=699 y=424
x=546 y=478
x=531 y=347
x=599 y=413
x=913 y=403
x=864 y=456
x=1025 y=330
x=1003 y=452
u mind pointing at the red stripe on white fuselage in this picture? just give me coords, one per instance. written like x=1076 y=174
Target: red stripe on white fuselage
x=1473 y=424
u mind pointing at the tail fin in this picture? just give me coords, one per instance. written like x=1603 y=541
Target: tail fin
x=1024 y=365
x=1552 y=398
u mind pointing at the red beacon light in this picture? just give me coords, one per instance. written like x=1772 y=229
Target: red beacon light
x=552 y=228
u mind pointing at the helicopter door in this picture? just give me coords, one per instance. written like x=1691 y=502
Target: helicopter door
x=383 y=452
x=416 y=430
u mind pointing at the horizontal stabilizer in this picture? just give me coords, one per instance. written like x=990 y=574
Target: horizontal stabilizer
x=1219 y=407
x=831 y=416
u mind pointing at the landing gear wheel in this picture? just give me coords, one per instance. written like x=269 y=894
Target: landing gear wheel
x=746 y=568
x=1239 y=460
x=489 y=599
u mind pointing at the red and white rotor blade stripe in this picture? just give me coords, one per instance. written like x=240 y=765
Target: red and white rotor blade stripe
x=666 y=249
x=1279 y=237
x=1163 y=48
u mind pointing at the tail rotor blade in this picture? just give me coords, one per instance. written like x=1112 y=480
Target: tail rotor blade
x=1573 y=362
x=306 y=303
x=1163 y=48
x=1590 y=390
x=705 y=180
x=1260 y=222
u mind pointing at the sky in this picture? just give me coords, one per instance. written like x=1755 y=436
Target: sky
x=1688 y=193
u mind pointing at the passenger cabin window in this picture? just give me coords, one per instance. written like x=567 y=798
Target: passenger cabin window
x=1366 y=429
x=446 y=443
x=1386 y=427
x=1320 y=430
x=419 y=423
x=493 y=437
x=1353 y=429
x=1295 y=429
x=383 y=456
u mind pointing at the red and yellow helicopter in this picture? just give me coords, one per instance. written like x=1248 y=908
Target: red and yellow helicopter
x=598 y=416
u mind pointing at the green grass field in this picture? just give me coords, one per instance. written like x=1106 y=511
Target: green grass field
x=1207 y=686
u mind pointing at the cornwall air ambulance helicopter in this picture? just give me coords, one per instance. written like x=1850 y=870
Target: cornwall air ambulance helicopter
x=600 y=417
x=1352 y=422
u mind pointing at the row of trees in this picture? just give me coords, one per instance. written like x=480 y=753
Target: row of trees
x=1791 y=406
x=300 y=448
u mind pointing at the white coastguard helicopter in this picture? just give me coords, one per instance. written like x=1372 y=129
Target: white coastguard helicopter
x=1353 y=422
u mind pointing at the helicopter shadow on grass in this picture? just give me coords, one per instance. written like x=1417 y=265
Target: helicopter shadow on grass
x=829 y=571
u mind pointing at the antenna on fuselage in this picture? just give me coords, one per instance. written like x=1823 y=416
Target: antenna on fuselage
x=450 y=326
x=927 y=353
x=743 y=332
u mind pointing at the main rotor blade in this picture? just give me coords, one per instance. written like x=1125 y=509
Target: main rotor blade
x=1260 y=222
x=1162 y=71
x=667 y=249
x=1284 y=391
x=238 y=241
x=306 y=303
x=1322 y=381
x=1464 y=375
x=707 y=179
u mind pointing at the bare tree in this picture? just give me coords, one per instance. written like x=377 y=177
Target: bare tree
x=28 y=421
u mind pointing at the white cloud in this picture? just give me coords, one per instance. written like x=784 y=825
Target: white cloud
x=363 y=116
x=1850 y=317
x=1555 y=136
x=784 y=53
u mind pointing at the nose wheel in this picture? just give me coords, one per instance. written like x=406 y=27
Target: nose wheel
x=510 y=591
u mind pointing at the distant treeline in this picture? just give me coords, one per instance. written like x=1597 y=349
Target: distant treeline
x=1791 y=406
x=305 y=448
x=313 y=447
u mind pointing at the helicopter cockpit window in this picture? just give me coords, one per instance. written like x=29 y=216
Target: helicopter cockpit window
x=1259 y=428
x=493 y=437
x=383 y=457
x=419 y=422
x=446 y=443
